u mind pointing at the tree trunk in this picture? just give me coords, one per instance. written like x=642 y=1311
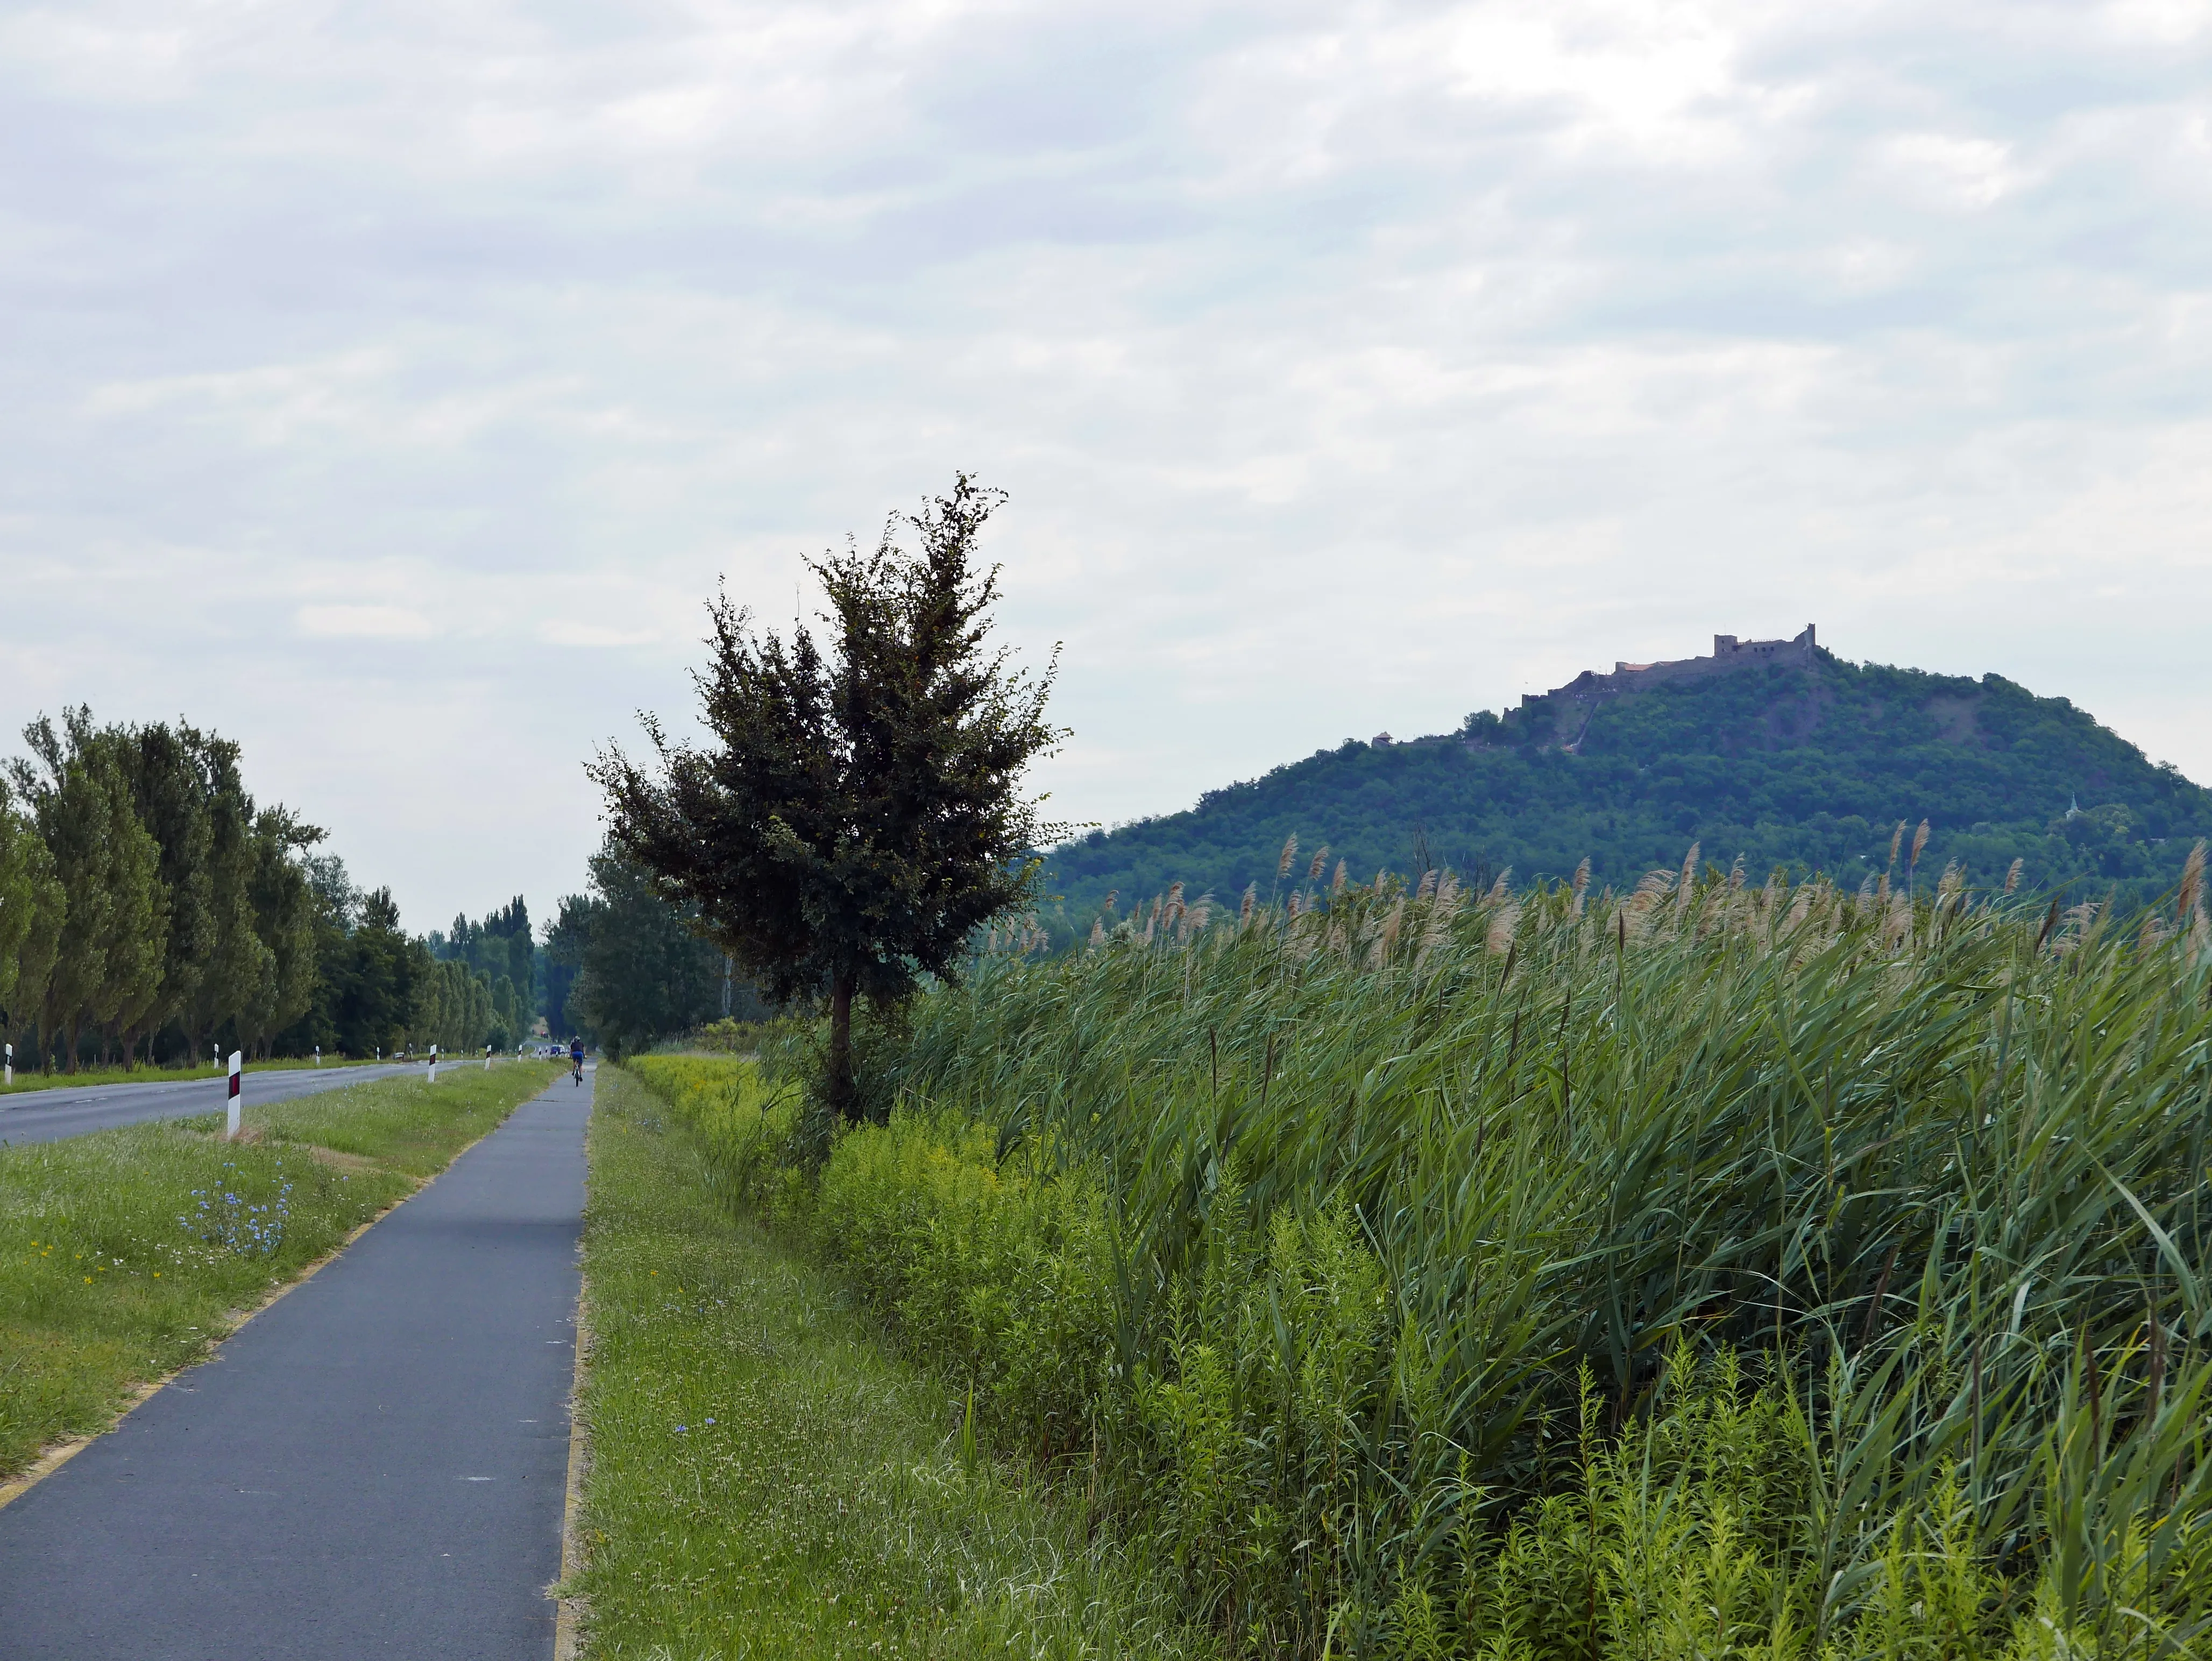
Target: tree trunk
x=843 y=1096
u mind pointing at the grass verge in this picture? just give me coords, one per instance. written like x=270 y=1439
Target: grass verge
x=27 y=1081
x=126 y=1254
x=766 y=1480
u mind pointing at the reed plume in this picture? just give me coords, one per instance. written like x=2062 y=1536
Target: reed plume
x=1343 y=876
x=1499 y=939
x=1436 y=936
x=1251 y=899
x=2193 y=883
x=1319 y=864
x=1896 y=840
x=1290 y=852
x=2012 y=876
x=1580 y=890
x=1499 y=889
x=1385 y=937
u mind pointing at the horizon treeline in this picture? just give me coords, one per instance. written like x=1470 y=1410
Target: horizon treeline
x=152 y=911
x=628 y=968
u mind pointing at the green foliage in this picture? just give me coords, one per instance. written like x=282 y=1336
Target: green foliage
x=107 y=960
x=860 y=815
x=1811 y=769
x=32 y=907
x=765 y=1480
x=501 y=954
x=1718 y=1270
x=641 y=970
x=148 y=905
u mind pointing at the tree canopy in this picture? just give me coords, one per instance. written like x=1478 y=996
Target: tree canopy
x=1806 y=767
x=149 y=905
x=859 y=815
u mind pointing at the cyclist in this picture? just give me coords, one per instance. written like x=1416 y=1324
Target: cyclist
x=576 y=1056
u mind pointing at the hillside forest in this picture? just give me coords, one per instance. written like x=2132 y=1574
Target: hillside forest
x=1809 y=769
x=153 y=911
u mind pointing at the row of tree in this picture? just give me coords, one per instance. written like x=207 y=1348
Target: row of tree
x=629 y=967
x=150 y=909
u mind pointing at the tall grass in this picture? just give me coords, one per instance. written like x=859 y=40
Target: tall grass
x=1715 y=1268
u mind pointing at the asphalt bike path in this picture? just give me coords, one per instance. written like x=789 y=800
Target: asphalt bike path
x=375 y=1466
x=50 y=1115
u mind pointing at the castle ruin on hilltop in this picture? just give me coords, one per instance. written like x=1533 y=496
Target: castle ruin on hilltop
x=1577 y=701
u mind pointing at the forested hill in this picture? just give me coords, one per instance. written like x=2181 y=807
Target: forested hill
x=1809 y=766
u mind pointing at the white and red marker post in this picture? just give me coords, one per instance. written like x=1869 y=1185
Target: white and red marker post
x=11 y=1066
x=434 y=1063
x=237 y=1075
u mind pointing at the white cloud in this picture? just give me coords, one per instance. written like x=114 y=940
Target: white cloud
x=365 y=623
x=560 y=631
x=1351 y=365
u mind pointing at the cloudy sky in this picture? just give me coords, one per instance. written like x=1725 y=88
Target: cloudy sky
x=387 y=384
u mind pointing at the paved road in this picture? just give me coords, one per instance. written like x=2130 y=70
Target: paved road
x=49 y=1115
x=375 y=1467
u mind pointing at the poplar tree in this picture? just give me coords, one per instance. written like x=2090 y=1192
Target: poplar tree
x=107 y=957
x=283 y=904
x=859 y=815
x=241 y=970
x=171 y=773
x=32 y=907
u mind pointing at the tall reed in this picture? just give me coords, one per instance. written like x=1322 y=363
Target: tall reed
x=1438 y=1277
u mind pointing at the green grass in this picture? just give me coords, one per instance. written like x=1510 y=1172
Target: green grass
x=766 y=1480
x=103 y=1286
x=1393 y=1249
x=151 y=1074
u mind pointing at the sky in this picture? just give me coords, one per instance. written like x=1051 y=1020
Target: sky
x=389 y=385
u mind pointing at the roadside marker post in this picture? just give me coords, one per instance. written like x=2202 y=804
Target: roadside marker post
x=319 y=1055
x=237 y=1071
x=434 y=1063
x=11 y=1066
x=486 y=1058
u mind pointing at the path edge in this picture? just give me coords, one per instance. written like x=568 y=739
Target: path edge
x=55 y=1455
x=569 y=1609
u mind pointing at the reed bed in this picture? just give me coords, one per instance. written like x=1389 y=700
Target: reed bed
x=1713 y=1268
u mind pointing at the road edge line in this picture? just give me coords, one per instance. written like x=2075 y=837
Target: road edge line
x=55 y=1455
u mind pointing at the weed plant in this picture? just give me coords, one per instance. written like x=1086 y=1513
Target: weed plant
x=1716 y=1269
x=766 y=1480
x=112 y=1273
